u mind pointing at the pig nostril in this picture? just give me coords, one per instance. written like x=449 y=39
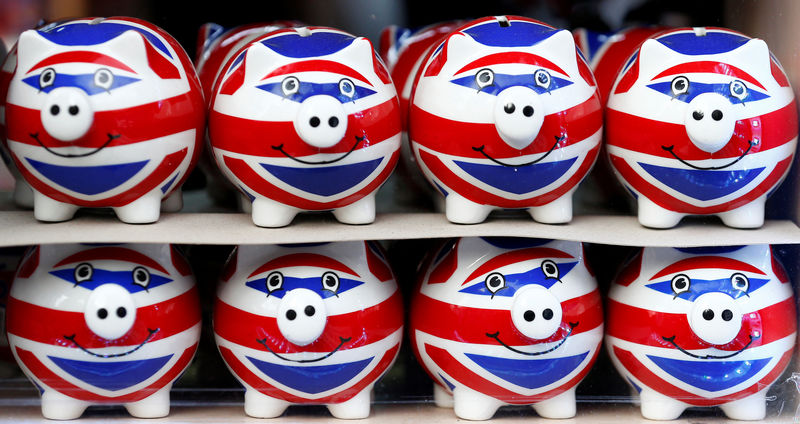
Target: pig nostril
x=547 y=314
x=314 y=121
x=509 y=108
x=310 y=311
x=121 y=312
x=54 y=110
x=716 y=115
x=73 y=110
x=697 y=115
x=333 y=122
x=529 y=316
x=708 y=314
x=102 y=313
x=727 y=315
x=291 y=314
x=527 y=111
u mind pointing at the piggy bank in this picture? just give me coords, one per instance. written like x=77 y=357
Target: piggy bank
x=9 y=258
x=103 y=113
x=306 y=119
x=702 y=327
x=701 y=121
x=103 y=324
x=498 y=321
x=308 y=324
x=505 y=114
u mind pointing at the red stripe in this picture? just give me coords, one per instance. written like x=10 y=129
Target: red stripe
x=262 y=386
x=470 y=325
x=458 y=138
x=631 y=271
x=469 y=378
x=162 y=66
x=234 y=80
x=715 y=262
x=778 y=74
x=230 y=265
x=511 y=57
x=151 y=182
x=318 y=65
x=81 y=57
x=711 y=67
x=628 y=79
x=668 y=202
x=469 y=191
x=515 y=256
x=585 y=72
x=179 y=262
x=447 y=266
x=51 y=326
x=777 y=267
x=112 y=253
x=304 y=259
x=647 y=136
x=53 y=381
x=365 y=326
x=257 y=138
x=29 y=263
x=647 y=327
x=649 y=379
x=254 y=181
x=376 y=264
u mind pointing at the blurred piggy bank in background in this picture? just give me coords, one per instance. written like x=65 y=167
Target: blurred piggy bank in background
x=308 y=324
x=306 y=119
x=91 y=324
x=499 y=321
x=505 y=114
x=701 y=121
x=702 y=327
x=103 y=112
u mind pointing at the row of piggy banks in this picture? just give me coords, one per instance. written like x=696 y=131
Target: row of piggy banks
x=499 y=113
x=493 y=321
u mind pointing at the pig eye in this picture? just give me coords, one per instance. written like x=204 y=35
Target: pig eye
x=484 y=78
x=680 y=284
x=47 y=78
x=542 y=78
x=83 y=272
x=290 y=85
x=550 y=269
x=141 y=276
x=740 y=282
x=347 y=88
x=274 y=281
x=103 y=78
x=495 y=282
x=680 y=85
x=330 y=282
x=738 y=89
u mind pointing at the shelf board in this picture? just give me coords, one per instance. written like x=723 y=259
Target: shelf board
x=20 y=228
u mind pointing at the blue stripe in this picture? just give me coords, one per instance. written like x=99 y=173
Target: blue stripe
x=88 y=180
x=712 y=43
x=700 y=287
x=313 y=379
x=709 y=375
x=324 y=180
x=702 y=184
x=317 y=44
x=517 y=281
x=101 y=276
x=529 y=373
x=85 y=34
x=521 y=180
x=84 y=82
x=517 y=34
x=112 y=375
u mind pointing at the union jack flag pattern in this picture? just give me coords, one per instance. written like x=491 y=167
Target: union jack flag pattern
x=9 y=258
x=308 y=324
x=104 y=112
x=498 y=321
x=103 y=324
x=711 y=326
x=306 y=119
x=701 y=121
x=505 y=114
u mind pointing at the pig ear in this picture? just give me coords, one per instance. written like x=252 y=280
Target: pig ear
x=359 y=51
x=131 y=44
x=755 y=54
x=258 y=60
x=652 y=55
x=31 y=47
x=456 y=44
x=206 y=35
x=561 y=49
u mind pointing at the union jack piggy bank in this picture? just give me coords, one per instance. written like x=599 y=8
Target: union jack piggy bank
x=104 y=112
x=499 y=321
x=306 y=119
x=701 y=121
x=92 y=324
x=702 y=327
x=308 y=324
x=505 y=114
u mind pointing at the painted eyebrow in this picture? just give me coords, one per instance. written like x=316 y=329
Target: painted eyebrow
x=512 y=57
x=304 y=259
x=81 y=57
x=710 y=67
x=112 y=253
x=318 y=65
x=707 y=262
x=514 y=257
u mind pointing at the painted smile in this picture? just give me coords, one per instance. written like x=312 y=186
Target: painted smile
x=342 y=341
x=496 y=336
x=111 y=137
x=671 y=340
x=114 y=355
x=480 y=149
x=670 y=149
x=322 y=162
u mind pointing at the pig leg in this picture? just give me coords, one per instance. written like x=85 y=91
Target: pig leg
x=153 y=406
x=654 y=216
x=354 y=408
x=558 y=211
x=269 y=213
x=753 y=407
x=459 y=210
x=750 y=215
x=441 y=398
x=559 y=406
x=48 y=209
x=56 y=406
x=259 y=405
x=471 y=405
x=144 y=210
x=656 y=406
x=361 y=211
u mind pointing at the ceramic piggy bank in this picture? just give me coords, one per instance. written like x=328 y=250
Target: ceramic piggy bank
x=505 y=114
x=702 y=327
x=103 y=113
x=308 y=324
x=701 y=121
x=501 y=321
x=92 y=324
x=306 y=119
